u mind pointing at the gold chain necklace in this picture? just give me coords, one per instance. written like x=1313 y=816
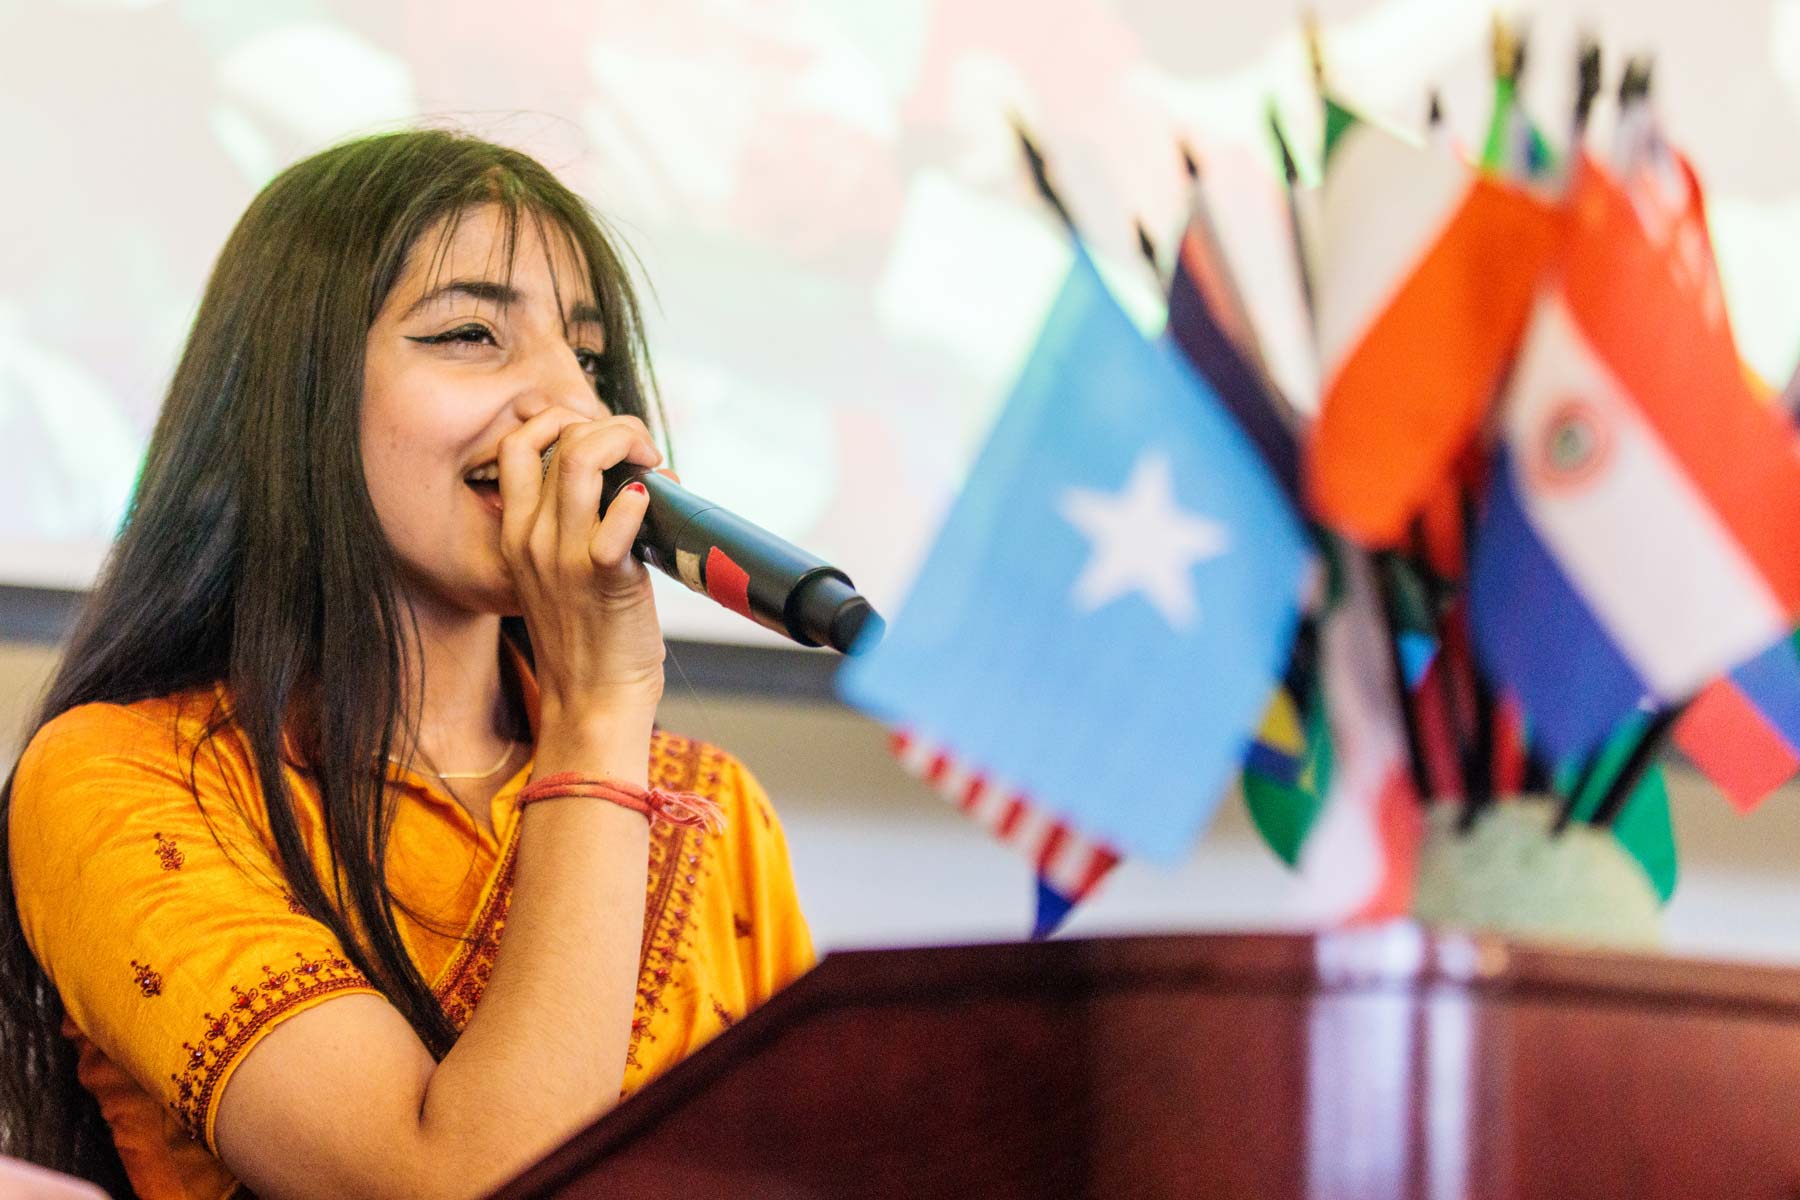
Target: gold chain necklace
x=447 y=776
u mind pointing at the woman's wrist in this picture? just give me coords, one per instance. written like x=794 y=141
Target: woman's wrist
x=611 y=740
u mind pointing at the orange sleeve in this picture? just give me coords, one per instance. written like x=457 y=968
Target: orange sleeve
x=163 y=924
x=780 y=947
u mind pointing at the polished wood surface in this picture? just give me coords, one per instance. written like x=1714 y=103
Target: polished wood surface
x=1376 y=1063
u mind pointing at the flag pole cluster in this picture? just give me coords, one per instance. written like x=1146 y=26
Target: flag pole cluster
x=1539 y=522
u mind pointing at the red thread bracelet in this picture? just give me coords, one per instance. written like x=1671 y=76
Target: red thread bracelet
x=687 y=809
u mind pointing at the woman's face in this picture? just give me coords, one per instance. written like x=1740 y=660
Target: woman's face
x=458 y=357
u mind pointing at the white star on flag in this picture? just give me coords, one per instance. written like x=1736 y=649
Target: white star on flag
x=1142 y=541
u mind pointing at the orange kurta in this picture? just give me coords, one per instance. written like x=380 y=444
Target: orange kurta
x=172 y=940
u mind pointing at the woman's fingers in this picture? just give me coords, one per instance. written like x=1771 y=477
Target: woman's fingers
x=580 y=465
x=588 y=603
x=610 y=544
x=551 y=501
x=522 y=475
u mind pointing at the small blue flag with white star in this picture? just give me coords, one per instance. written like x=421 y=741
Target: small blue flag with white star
x=1111 y=599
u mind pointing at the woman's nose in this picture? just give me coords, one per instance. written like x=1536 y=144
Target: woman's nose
x=552 y=376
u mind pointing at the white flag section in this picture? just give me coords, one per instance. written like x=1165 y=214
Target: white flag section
x=1357 y=863
x=1639 y=542
x=1383 y=205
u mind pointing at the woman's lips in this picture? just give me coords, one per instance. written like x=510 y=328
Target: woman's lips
x=488 y=494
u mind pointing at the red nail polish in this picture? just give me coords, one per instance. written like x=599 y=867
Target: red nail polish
x=638 y=487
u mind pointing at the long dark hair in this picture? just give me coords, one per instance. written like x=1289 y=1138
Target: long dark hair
x=252 y=556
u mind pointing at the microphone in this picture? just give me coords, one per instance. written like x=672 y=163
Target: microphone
x=744 y=567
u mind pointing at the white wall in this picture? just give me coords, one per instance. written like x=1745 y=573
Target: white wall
x=882 y=861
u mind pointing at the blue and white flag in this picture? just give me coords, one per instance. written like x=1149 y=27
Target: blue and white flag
x=1105 y=612
x=1642 y=529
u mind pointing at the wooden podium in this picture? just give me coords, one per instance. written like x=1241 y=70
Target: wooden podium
x=1389 y=1062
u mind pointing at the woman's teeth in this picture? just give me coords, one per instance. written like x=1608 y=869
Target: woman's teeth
x=487 y=474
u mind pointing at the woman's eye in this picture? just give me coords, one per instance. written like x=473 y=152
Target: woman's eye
x=594 y=364
x=472 y=335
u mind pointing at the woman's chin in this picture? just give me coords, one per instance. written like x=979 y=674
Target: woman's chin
x=492 y=597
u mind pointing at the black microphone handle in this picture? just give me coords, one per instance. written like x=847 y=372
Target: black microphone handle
x=742 y=566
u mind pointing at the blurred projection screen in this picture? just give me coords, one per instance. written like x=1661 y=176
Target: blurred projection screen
x=844 y=264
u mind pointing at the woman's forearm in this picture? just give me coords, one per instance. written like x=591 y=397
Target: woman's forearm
x=544 y=1052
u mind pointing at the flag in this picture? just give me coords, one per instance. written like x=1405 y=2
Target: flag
x=1285 y=773
x=1340 y=119
x=1642 y=527
x=1069 y=867
x=1514 y=147
x=1789 y=400
x=1743 y=731
x=1643 y=826
x=1665 y=195
x=1104 y=613
x=1359 y=860
x=1207 y=326
x=1425 y=276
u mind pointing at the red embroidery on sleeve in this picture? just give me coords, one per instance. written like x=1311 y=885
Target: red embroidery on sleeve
x=171 y=856
x=676 y=868
x=148 y=981
x=250 y=1009
x=466 y=979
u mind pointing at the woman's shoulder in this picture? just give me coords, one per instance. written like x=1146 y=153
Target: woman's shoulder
x=97 y=761
x=156 y=726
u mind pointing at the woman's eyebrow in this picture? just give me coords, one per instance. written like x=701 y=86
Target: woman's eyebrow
x=487 y=290
x=498 y=294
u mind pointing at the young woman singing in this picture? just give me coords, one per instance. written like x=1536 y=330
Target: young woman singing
x=346 y=858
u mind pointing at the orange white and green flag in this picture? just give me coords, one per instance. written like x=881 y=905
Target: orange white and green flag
x=1425 y=272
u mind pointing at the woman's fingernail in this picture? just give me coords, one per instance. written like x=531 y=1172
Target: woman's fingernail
x=639 y=488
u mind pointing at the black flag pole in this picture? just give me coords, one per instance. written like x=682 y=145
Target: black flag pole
x=1147 y=248
x=1040 y=175
x=1290 y=170
x=1643 y=755
x=1587 y=85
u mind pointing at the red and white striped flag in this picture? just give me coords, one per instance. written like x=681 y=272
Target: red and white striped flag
x=1066 y=862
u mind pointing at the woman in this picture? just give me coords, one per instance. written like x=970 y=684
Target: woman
x=269 y=832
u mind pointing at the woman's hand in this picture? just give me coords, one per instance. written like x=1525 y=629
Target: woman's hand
x=587 y=602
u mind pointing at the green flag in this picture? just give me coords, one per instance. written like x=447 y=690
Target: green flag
x=1515 y=147
x=1643 y=826
x=1287 y=773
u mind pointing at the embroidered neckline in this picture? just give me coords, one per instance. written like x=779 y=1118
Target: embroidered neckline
x=675 y=867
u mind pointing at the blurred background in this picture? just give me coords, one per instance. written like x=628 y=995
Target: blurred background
x=843 y=265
